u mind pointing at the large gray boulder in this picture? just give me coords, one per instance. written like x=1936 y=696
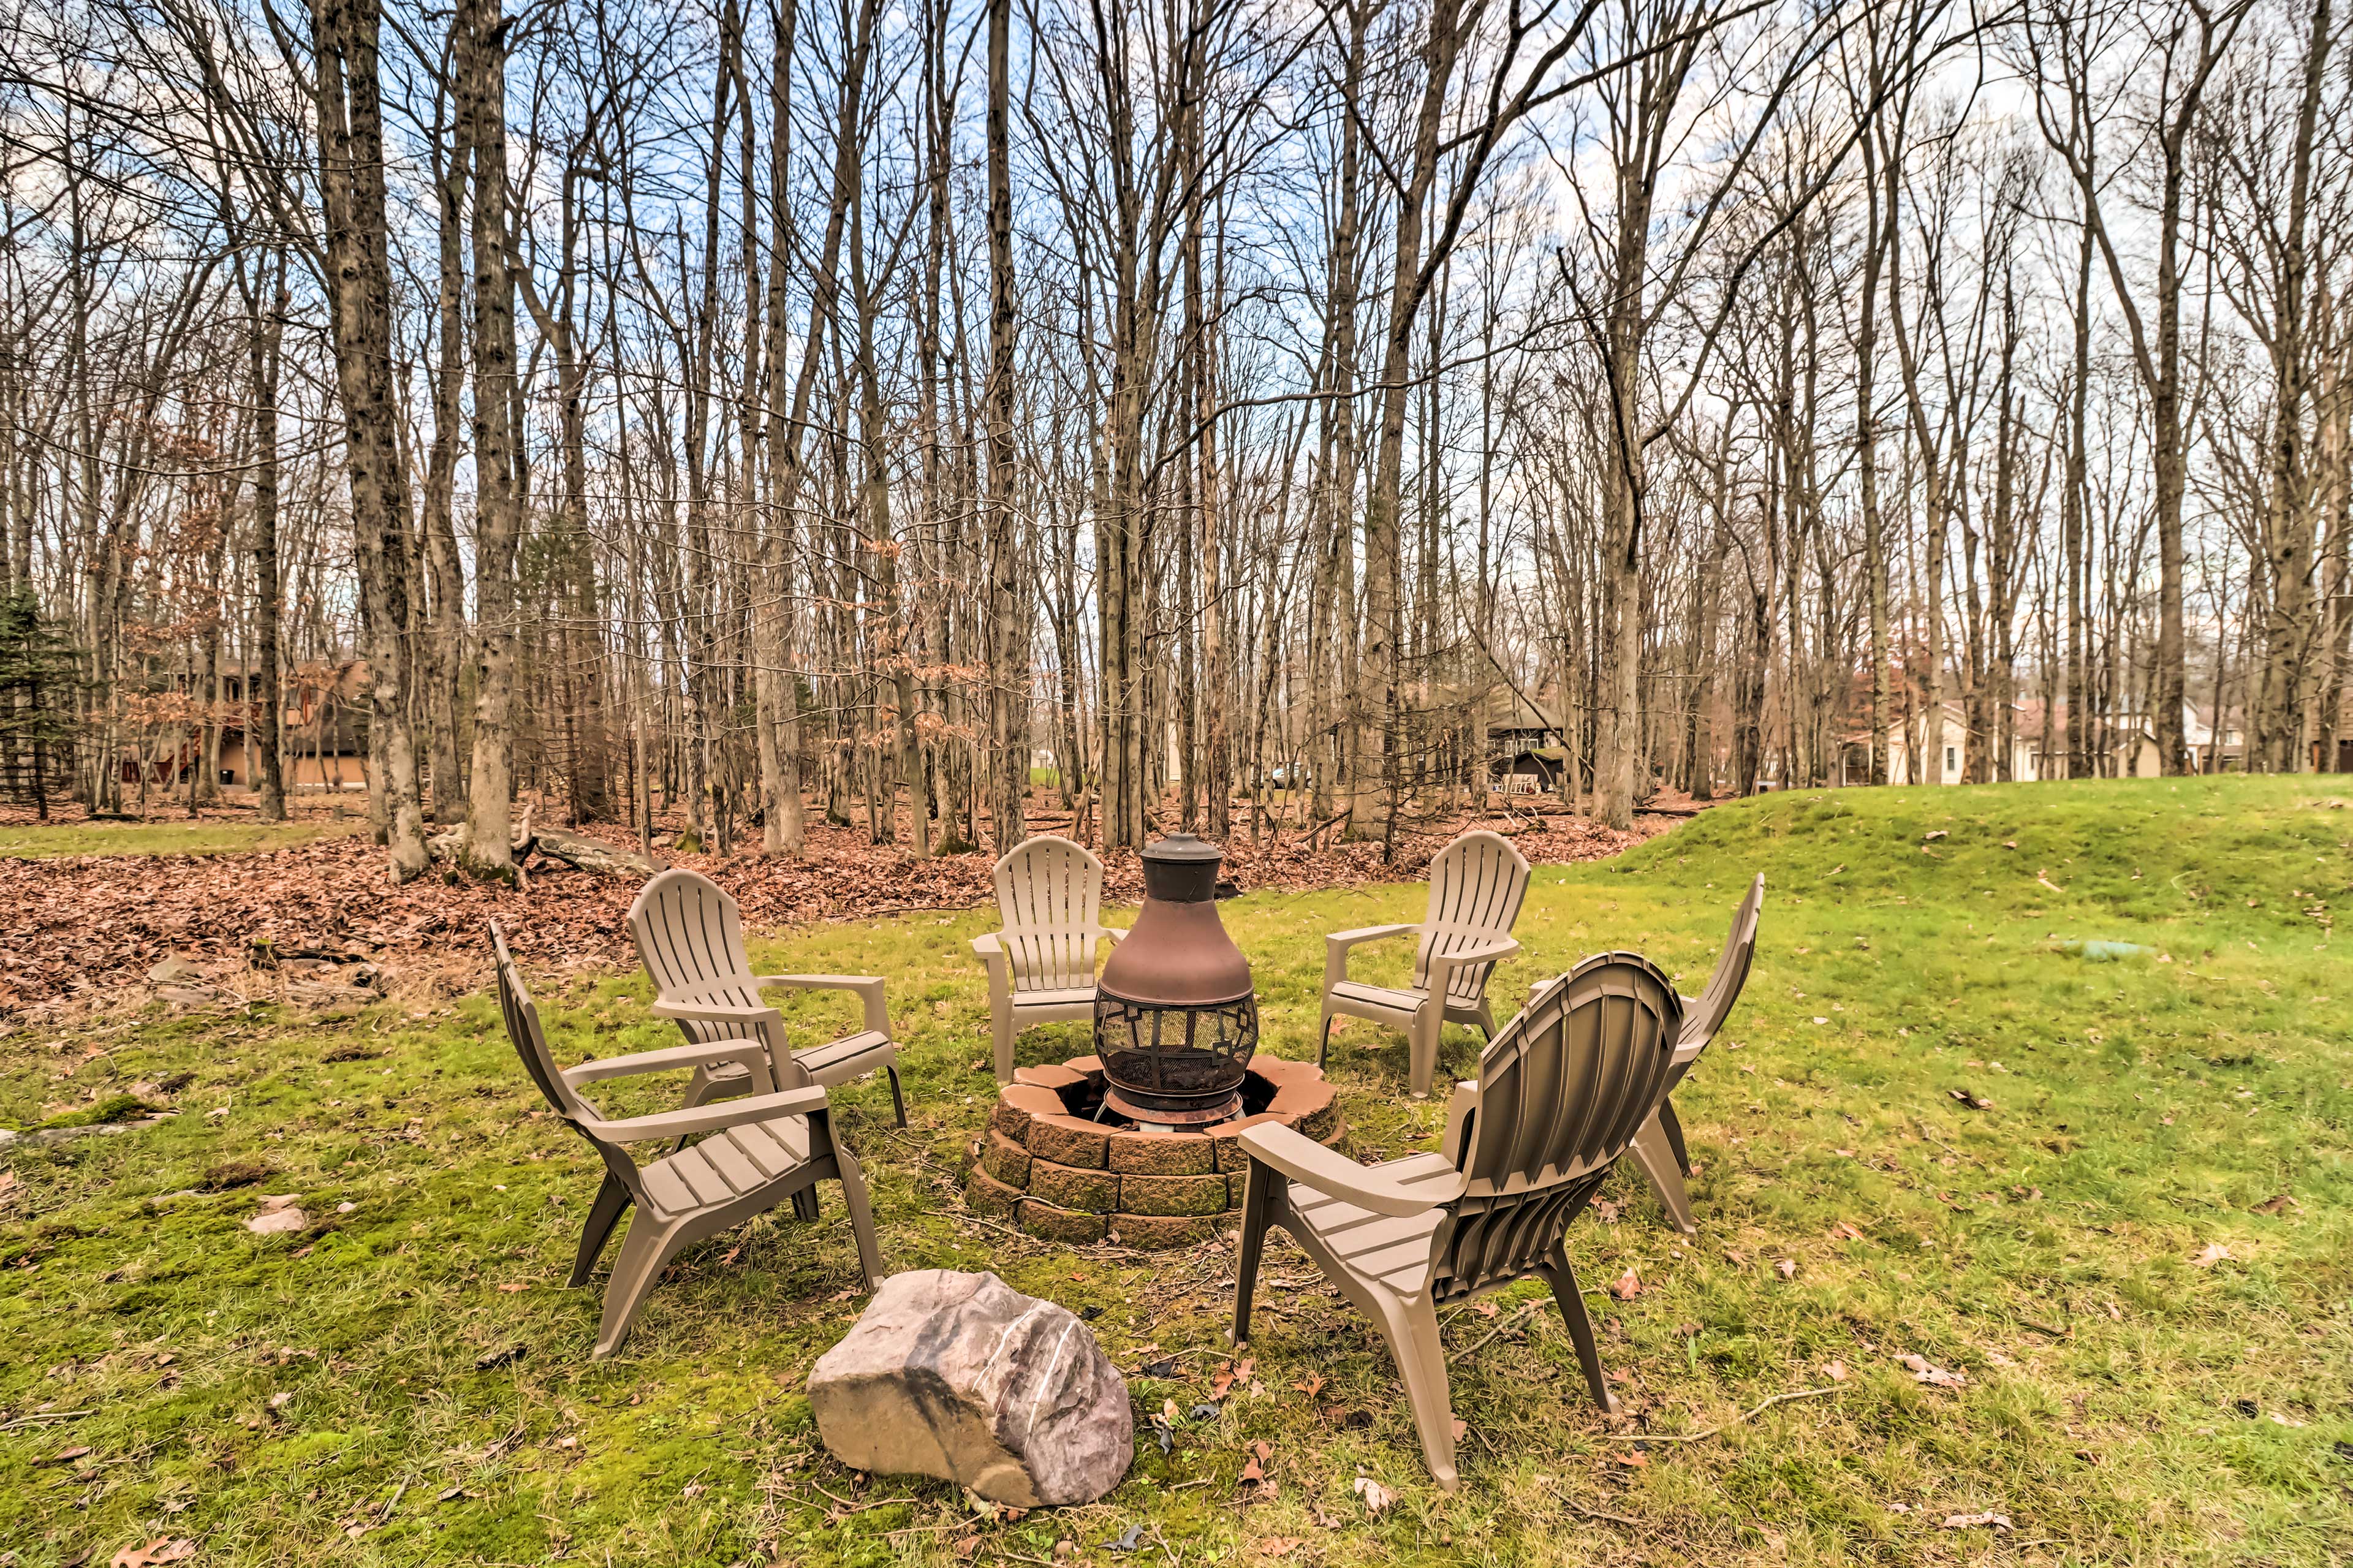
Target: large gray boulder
x=962 y=1377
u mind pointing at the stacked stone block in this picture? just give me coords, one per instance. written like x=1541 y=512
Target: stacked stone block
x=1066 y=1177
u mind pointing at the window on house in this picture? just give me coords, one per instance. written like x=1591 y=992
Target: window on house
x=1952 y=759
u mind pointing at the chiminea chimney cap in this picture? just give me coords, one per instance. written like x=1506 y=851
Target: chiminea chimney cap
x=1181 y=849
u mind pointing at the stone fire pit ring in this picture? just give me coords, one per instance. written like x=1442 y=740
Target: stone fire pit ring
x=1062 y=1176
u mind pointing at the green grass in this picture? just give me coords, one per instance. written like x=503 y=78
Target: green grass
x=271 y=1396
x=41 y=841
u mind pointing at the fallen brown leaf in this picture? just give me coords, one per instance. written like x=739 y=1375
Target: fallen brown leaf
x=1935 y=1376
x=1254 y=1468
x=163 y=1549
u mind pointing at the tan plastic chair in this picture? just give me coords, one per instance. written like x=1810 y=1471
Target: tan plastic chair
x=1042 y=966
x=691 y=935
x=1561 y=1091
x=1659 y=1150
x=762 y=1151
x=1476 y=884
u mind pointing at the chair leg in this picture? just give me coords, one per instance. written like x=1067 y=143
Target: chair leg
x=1422 y=1046
x=898 y=1095
x=1563 y=1280
x=1254 y=1240
x=612 y=1199
x=1673 y=1126
x=1411 y=1328
x=1486 y=1019
x=1649 y=1152
x=1323 y=1046
x=805 y=1207
x=862 y=1213
x=644 y=1250
x=1001 y=1033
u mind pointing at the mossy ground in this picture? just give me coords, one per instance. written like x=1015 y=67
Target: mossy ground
x=46 y=841
x=316 y=1398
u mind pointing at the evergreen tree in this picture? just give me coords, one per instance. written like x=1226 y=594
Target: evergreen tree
x=40 y=675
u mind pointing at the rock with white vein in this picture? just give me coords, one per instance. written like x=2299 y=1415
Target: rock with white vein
x=962 y=1377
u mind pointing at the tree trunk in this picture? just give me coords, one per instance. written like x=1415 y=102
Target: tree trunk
x=347 y=96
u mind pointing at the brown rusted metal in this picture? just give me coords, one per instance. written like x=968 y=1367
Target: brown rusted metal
x=1175 y=1018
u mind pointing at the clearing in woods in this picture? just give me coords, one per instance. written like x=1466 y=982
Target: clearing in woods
x=2109 y=1198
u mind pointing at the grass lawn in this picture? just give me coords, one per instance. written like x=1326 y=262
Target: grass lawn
x=2131 y=1395
x=38 y=841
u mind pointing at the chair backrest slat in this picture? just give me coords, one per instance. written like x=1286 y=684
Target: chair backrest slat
x=1563 y=1088
x=690 y=934
x=1476 y=886
x=1049 y=897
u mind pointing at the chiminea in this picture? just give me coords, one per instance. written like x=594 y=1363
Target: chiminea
x=1176 y=1020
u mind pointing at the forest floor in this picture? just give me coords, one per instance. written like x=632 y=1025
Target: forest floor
x=300 y=911
x=2110 y=1201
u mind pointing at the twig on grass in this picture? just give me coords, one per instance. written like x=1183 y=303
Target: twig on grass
x=1508 y=1322
x=38 y=1416
x=1712 y=1431
x=849 y=1507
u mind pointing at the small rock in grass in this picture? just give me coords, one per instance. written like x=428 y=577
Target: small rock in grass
x=279 y=1216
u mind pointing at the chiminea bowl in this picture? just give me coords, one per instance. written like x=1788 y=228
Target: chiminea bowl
x=1175 y=1019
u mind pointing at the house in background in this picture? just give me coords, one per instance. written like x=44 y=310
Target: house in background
x=1527 y=745
x=325 y=732
x=2132 y=746
x=1946 y=752
x=1526 y=772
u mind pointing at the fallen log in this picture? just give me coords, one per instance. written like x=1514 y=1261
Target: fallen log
x=580 y=854
x=589 y=855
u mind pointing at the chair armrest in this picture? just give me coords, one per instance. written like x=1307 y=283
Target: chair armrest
x=713 y=1118
x=1443 y=966
x=991 y=949
x=868 y=988
x=752 y=1053
x=1485 y=952
x=1303 y=1159
x=1341 y=941
x=1337 y=946
x=1111 y=934
x=690 y=1012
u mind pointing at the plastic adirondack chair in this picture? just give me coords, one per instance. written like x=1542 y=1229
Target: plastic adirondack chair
x=1476 y=884
x=1042 y=966
x=762 y=1150
x=1659 y=1150
x=1561 y=1091
x=691 y=935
